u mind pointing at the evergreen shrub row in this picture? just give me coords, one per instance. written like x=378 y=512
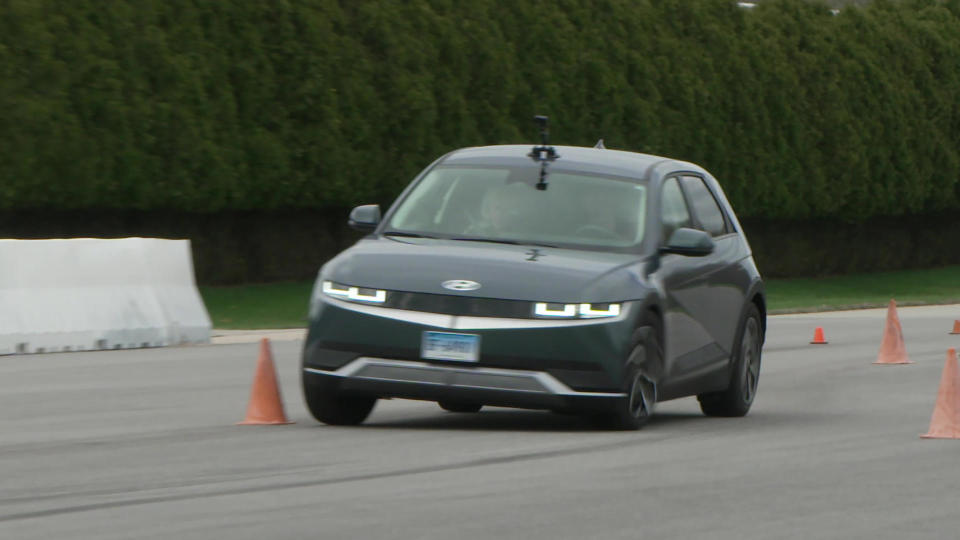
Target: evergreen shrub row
x=233 y=105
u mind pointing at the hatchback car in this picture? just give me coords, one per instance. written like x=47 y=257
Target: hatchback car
x=601 y=282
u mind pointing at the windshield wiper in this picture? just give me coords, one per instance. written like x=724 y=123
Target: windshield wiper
x=407 y=234
x=502 y=241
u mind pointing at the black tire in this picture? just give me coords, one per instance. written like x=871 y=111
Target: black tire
x=744 y=375
x=460 y=407
x=646 y=357
x=329 y=407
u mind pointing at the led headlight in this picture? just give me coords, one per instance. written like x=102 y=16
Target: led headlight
x=589 y=311
x=542 y=309
x=571 y=311
x=355 y=294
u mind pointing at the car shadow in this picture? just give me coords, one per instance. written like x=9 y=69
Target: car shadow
x=519 y=420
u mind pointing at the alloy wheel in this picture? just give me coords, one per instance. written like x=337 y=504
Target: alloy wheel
x=750 y=353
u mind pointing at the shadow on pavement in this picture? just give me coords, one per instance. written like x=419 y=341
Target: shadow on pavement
x=496 y=419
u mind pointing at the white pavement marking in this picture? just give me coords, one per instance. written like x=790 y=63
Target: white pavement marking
x=946 y=311
x=231 y=337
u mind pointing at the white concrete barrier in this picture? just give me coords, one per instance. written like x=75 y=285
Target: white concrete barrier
x=90 y=293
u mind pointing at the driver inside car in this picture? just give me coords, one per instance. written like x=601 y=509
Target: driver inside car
x=502 y=212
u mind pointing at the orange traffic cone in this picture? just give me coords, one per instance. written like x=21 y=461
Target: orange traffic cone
x=892 y=348
x=945 y=422
x=818 y=337
x=956 y=327
x=265 y=405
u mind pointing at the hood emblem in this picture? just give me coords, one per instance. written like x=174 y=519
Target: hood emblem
x=460 y=285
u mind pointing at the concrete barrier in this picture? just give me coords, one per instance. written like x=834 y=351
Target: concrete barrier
x=90 y=294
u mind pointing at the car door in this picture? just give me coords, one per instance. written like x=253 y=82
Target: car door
x=721 y=299
x=687 y=346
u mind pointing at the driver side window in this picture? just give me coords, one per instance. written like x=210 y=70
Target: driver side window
x=673 y=209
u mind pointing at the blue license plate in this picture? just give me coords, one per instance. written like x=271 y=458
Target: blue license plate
x=450 y=346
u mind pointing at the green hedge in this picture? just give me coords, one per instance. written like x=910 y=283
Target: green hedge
x=226 y=105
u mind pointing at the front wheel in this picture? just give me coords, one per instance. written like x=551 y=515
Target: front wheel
x=327 y=405
x=738 y=397
x=635 y=410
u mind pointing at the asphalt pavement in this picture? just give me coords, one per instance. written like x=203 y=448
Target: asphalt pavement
x=142 y=444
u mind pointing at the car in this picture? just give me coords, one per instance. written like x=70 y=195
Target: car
x=570 y=279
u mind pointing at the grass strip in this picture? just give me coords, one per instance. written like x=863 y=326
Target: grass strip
x=908 y=287
x=268 y=305
x=284 y=305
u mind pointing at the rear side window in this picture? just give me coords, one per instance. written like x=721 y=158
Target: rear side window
x=705 y=206
x=673 y=209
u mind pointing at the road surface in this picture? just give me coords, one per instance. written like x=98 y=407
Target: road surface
x=142 y=444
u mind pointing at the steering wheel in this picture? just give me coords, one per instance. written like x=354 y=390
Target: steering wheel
x=595 y=231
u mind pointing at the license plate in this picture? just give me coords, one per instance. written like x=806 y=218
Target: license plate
x=449 y=346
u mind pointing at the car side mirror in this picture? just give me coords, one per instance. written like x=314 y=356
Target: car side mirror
x=365 y=218
x=690 y=242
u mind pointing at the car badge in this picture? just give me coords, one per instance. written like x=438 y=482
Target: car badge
x=461 y=285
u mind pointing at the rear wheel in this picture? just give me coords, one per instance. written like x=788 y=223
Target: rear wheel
x=745 y=375
x=460 y=407
x=327 y=405
x=635 y=410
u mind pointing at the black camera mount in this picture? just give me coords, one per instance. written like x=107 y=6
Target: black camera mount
x=544 y=153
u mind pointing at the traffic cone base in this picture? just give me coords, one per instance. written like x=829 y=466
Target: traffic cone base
x=956 y=327
x=892 y=348
x=266 y=407
x=945 y=422
x=263 y=423
x=818 y=337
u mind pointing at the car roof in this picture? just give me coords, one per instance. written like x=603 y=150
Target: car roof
x=573 y=158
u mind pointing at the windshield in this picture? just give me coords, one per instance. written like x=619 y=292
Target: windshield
x=502 y=204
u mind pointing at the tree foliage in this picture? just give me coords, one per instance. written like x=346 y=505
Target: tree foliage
x=215 y=105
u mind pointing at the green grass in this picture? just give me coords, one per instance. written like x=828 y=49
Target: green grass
x=284 y=305
x=272 y=305
x=908 y=287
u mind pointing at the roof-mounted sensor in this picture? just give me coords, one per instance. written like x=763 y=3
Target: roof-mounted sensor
x=544 y=153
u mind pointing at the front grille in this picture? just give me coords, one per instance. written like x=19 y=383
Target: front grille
x=453 y=377
x=460 y=305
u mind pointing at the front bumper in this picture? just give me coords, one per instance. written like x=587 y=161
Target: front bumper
x=382 y=377
x=538 y=363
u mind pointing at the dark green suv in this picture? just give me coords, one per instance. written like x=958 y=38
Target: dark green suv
x=595 y=281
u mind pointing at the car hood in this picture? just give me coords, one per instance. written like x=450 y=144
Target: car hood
x=514 y=272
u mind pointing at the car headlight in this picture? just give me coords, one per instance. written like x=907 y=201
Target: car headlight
x=571 y=311
x=355 y=294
